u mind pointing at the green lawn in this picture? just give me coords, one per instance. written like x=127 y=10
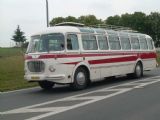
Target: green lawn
x=158 y=58
x=12 y=70
x=7 y=52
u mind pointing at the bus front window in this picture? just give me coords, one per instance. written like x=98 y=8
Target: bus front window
x=46 y=43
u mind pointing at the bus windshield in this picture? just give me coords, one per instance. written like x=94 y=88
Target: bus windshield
x=46 y=43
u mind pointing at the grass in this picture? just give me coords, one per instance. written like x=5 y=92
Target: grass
x=158 y=58
x=12 y=70
x=8 y=52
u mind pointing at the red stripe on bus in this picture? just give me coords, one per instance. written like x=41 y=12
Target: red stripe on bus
x=48 y=56
x=109 y=60
x=113 y=60
x=148 y=55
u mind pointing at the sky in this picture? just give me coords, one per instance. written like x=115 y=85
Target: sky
x=31 y=14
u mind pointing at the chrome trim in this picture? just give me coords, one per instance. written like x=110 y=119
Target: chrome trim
x=109 y=66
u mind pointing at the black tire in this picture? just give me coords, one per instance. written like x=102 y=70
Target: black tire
x=138 y=71
x=81 y=79
x=46 y=85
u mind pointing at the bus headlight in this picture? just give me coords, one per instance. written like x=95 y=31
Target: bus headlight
x=51 y=69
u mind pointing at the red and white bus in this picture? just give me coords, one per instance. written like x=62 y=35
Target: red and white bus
x=78 y=55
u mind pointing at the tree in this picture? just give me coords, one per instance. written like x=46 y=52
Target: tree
x=18 y=37
x=90 y=20
x=71 y=19
x=139 y=21
x=115 y=20
x=153 y=24
x=126 y=20
x=57 y=20
x=87 y=20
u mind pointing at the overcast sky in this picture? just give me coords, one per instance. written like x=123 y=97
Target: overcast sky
x=30 y=14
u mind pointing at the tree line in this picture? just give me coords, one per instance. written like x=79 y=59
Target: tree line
x=139 y=21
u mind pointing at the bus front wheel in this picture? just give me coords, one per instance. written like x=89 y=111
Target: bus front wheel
x=80 y=79
x=47 y=85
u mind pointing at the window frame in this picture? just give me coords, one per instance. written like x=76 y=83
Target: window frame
x=61 y=51
x=103 y=35
x=117 y=36
x=150 y=39
x=67 y=42
x=123 y=36
x=132 y=45
x=140 y=43
x=95 y=36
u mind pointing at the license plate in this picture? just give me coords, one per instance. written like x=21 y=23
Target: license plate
x=35 y=78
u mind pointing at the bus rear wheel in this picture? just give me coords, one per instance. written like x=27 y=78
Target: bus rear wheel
x=138 y=71
x=47 y=85
x=80 y=79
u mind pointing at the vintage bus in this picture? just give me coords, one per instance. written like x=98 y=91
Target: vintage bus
x=77 y=55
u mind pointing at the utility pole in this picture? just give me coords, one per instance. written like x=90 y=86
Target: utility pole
x=47 y=13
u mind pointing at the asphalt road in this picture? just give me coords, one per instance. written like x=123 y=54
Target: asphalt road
x=116 y=99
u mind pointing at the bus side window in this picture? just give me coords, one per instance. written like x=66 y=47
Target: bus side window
x=150 y=43
x=114 y=42
x=135 y=43
x=72 y=42
x=143 y=43
x=125 y=43
x=89 y=42
x=102 y=40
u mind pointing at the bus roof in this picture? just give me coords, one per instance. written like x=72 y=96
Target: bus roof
x=79 y=29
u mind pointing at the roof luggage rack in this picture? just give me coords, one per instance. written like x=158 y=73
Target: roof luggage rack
x=102 y=26
x=114 y=27
x=70 y=24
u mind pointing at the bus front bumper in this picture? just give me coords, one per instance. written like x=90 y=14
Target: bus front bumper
x=35 y=77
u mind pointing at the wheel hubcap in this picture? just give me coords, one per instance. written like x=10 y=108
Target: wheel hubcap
x=138 y=71
x=81 y=78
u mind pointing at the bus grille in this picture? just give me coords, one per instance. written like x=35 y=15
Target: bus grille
x=36 y=66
